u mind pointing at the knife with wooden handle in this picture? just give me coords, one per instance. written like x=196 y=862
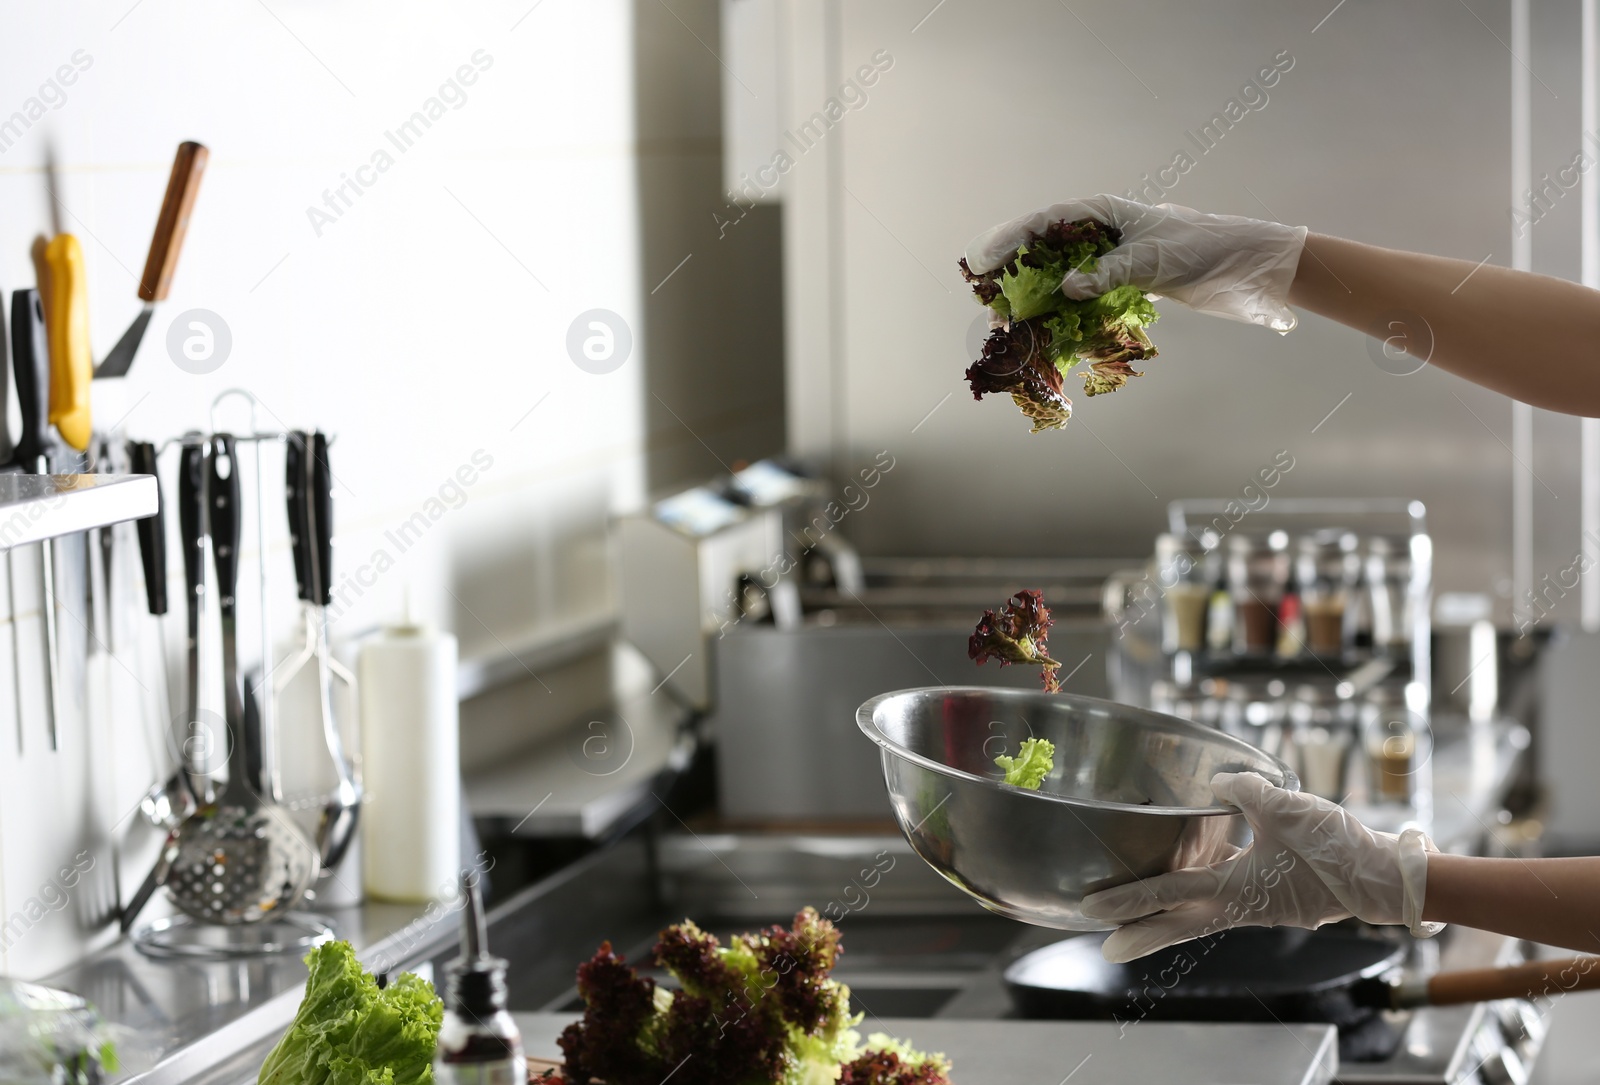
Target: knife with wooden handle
x=183 y=185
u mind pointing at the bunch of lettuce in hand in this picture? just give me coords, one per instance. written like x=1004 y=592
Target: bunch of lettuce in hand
x=760 y=1011
x=1041 y=334
x=348 y=1031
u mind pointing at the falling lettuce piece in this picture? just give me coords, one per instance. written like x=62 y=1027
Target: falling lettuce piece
x=1046 y=334
x=1031 y=765
x=1018 y=634
x=349 y=1032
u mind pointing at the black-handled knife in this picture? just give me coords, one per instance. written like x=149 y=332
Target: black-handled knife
x=30 y=362
x=30 y=359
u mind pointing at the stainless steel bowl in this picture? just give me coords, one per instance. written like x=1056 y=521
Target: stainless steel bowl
x=1129 y=797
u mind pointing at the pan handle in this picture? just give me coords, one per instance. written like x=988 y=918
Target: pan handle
x=1534 y=979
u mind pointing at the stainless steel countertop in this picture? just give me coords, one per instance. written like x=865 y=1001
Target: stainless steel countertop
x=1089 y=1052
x=187 y=1018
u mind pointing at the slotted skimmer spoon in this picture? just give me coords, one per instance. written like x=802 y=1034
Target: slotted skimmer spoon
x=239 y=859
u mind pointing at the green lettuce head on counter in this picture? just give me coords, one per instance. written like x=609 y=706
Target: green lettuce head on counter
x=348 y=1031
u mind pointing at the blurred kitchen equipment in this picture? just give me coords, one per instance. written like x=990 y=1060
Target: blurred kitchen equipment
x=1468 y=664
x=679 y=570
x=240 y=859
x=410 y=727
x=33 y=454
x=1336 y=975
x=310 y=504
x=171 y=226
x=1129 y=796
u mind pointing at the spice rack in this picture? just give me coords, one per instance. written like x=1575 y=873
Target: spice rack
x=1303 y=626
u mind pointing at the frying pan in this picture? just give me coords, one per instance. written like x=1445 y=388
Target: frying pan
x=1337 y=976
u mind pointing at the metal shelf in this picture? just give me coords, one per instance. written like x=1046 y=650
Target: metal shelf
x=38 y=507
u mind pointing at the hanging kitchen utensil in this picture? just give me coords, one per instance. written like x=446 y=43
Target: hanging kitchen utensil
x=171 y=226
x=239 y=859
x=309 y=482
x=32 y=453
x=168 y=802
x=1333 y=975
x=192 y=538
x=197 y=775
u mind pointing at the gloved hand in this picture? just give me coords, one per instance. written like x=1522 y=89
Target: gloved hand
x=1310 y=863
x=1223 y=264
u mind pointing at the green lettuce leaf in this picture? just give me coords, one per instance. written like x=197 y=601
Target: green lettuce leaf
x=1031 y=765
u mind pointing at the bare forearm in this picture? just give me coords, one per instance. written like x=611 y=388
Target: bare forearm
x=1555 y=902
x=1530 y=337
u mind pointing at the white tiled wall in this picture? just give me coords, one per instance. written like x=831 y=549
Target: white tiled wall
x=425 y=327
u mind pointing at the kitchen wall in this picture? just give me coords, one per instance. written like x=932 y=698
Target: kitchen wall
x=1389 y=123
x=413 y=295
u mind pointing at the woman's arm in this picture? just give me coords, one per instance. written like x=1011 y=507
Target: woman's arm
x=1555 y=902
x=1527 y=336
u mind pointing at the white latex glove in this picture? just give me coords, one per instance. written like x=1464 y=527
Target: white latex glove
x=1310 y=863
x=1222 y=264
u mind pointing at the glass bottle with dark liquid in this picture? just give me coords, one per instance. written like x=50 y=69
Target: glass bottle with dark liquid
x=478 y=1041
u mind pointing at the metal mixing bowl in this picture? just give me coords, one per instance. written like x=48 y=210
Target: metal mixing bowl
x=1129 y=797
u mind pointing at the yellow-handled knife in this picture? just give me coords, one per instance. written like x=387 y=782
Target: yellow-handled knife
x=66 y=299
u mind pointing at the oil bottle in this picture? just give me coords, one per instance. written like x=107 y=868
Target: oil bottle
x=478 y=1042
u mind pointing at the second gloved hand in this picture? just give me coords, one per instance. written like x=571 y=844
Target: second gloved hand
x=1221 y=264
x=1310 y=863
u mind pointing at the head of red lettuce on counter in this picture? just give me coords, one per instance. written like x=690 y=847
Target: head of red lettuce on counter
x=762 y=1010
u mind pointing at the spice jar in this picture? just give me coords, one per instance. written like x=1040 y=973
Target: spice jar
x=1328 y=570
x=1397 y=741
x=1257 y=574
x=1180 y=576
x=1388 y=592
x=1324 y=728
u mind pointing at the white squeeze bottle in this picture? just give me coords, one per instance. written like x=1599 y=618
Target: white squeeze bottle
x=410 y=726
